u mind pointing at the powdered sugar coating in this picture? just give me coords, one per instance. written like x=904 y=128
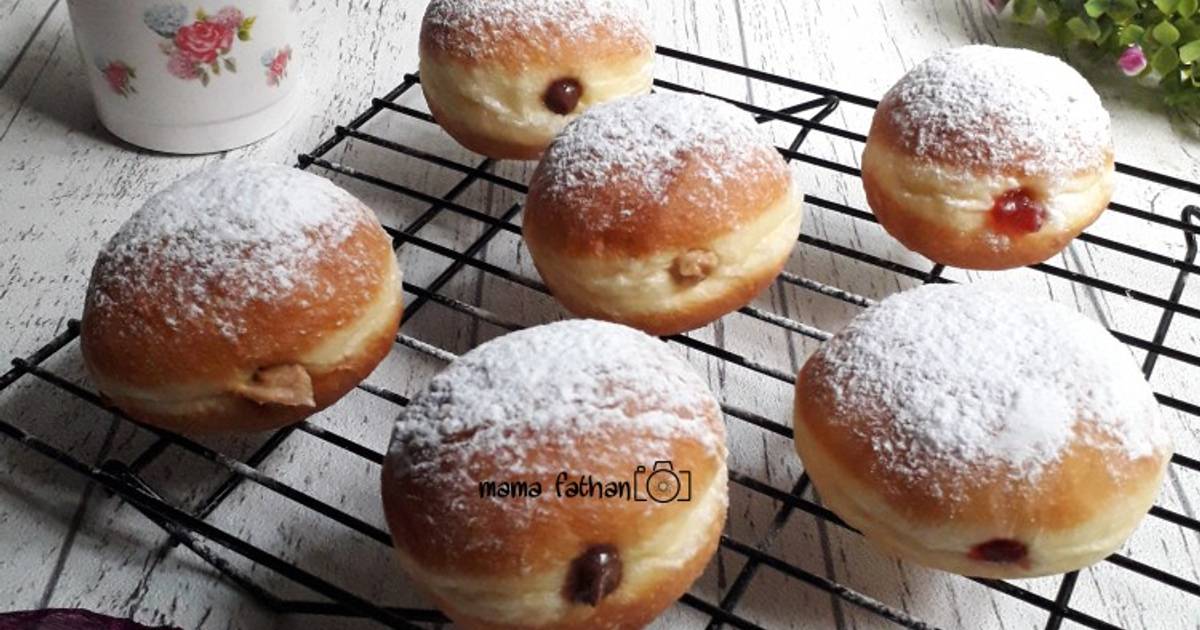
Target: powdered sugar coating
x=478 y=29
x=990 y=108
x=636 y=147
x=521 y=397
x=963 y=379
x=225 y=236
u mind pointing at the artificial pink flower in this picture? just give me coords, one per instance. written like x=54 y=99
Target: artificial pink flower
x=229 y=17
x=180 y=66
x=997 y=5
x=1132 y=61
x=201 y=42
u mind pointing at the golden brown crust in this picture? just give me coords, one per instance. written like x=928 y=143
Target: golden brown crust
x=884 y=130
x=1076 y=489
x=571 y=402
x=187 y=375
x=943 y=243
x=430 y=521
x=696 y=210
x=133 y=346
x=551 y=46
x=231 y=412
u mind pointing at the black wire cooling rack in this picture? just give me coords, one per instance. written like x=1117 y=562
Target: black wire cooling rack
x=815 y=104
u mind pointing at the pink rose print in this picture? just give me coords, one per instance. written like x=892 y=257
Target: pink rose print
x=276 y=62
x=202 y=49
x=182 y=67
x=229 y=17
x=119 y=76
x=202 y=41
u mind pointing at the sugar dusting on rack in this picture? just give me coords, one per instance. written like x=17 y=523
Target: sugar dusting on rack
x=988 y=107
x=962 y=378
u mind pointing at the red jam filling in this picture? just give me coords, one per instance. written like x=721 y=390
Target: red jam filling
x=1000 y=550
x=1018 y=212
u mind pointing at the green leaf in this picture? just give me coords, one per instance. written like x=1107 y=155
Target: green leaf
x=1049 y=9
x=1124 y=10
x=1084 y=28
x=1130 y=34
x=1165 y=61
x=230 y=64
x=1165 y=33
x=243 y=35
x=1188 y=29
x=201 y=16
x=1096 y=8
x=1166 y=6
x=203 y=78
x=1024 y=11
x=1107 y=30
x=1059 y=32
x=1187 y=8
x=1189 y=52
x=247 y=23
x=216 y=68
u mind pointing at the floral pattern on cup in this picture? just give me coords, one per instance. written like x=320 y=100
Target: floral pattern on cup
x=200 y=50
x=119 y=76
x=276 y=62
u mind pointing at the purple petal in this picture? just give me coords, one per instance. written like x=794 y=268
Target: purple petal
x=67 y=620
x=1132 y=61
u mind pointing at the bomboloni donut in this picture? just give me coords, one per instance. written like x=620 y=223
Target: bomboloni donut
x=981 y=433
x=567 y=476
x=503 y=77
x=989 y=158
x=243 y=297
x=662 y=212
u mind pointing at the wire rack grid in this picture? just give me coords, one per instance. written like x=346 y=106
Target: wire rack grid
x=811 y=114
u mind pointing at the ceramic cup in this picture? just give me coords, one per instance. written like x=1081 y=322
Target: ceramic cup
x=191 y=76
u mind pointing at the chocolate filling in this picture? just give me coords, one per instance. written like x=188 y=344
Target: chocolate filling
x=562 y=97
x=1000 y=550
x=593 y=575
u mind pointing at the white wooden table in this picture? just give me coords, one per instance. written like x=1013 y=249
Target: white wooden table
x=65 y=186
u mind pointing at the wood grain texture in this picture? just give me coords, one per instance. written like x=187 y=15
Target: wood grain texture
x=65 y=186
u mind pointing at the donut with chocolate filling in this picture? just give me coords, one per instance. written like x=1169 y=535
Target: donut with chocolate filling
x=503 y=77
x=567 y=476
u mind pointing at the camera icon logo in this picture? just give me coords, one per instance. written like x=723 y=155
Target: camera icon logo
x=662 y=484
